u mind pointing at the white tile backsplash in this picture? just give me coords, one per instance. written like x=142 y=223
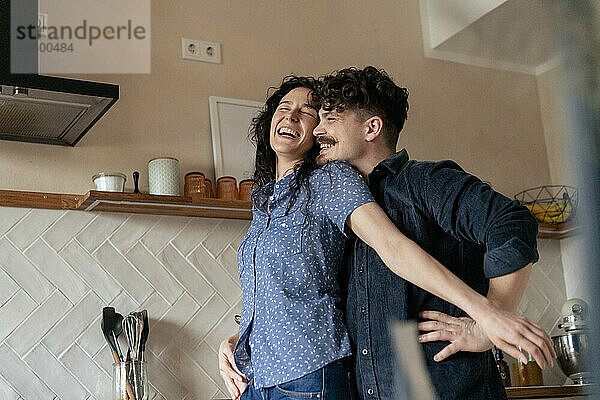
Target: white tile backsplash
x=6 y=391
x=105 y=286
x=154 y=272
x=100 y=229
x=57 y=271
x=74 y=323
x=22 y=377
x=8 y=287
x=58 y=378
x=10 y=216
x=32 y=226
x=66 y=227
x=20 y=269
x=215 y=275
x=38 y=323
x=123 y=272
x=194 y=283
x=132 y=231
x=92 y=377
x=14 y=311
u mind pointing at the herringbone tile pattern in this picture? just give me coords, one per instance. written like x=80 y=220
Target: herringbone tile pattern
x=58 y=269
x=544 y=296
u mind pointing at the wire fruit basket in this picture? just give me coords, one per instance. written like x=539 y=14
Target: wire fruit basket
x=551 y=205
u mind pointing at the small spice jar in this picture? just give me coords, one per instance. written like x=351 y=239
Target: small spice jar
x=246 y=187
x=208 y=190
x=532 y=373
x=529 y=374
x=194 y=185
x=227 y=188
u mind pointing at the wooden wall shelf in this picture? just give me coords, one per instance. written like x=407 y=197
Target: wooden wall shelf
x=139 y=203
x=129 y=203
x=559 y=231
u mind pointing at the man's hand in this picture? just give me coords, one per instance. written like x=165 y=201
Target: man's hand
x=234 y=380
x=462 y=333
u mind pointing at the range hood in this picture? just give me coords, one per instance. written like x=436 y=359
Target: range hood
x=46 y=109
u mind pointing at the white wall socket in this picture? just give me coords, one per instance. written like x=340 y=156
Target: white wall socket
x=199 y=50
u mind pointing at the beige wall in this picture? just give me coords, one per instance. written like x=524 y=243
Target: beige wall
x=558 y=136
x=561 y=148
x=487 y=120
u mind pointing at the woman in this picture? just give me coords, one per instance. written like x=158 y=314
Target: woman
x=293 y=342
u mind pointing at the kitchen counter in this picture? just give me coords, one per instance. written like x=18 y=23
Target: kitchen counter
x=550 y=392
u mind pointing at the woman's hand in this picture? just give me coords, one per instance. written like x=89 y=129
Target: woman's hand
x=234 y=380
x=507 y=331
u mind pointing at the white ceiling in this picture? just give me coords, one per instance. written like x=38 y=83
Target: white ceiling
x=514 y=35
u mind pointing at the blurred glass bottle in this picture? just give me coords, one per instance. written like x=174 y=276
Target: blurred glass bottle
x=532 y=373
x=503 y=368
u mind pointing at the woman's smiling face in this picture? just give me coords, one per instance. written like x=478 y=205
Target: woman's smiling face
x=292 y=125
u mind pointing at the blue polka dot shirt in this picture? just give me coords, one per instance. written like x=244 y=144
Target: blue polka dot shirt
x=288 y=263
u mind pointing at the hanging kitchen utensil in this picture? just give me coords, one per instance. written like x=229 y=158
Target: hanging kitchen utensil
x=107 y=325
x=144 y=338
x=112 y=327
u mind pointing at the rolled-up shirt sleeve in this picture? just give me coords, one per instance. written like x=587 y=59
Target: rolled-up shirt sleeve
x=470 y=209
x=340 y=190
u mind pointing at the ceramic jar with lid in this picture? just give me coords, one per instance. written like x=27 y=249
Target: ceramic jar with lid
x=163 y=176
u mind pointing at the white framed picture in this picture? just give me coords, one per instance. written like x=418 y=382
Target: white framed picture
x=230 y=122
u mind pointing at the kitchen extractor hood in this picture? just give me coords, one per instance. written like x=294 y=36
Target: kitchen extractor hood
x=46 y=109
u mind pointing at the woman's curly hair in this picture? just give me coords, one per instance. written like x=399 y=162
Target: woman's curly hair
x=370 y=92
x=260 y=130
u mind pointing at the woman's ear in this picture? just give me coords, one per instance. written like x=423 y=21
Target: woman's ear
x=373 y=128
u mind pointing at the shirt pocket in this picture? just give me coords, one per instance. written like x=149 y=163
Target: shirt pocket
x=288 y=232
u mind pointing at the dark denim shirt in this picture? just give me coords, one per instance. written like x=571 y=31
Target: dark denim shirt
x=474 y=231
x=292 y=312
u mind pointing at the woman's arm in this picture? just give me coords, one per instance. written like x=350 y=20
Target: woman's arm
x=407 y=260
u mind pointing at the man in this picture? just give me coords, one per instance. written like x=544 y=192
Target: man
x=484 y=238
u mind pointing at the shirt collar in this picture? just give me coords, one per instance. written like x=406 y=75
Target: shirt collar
x=393 y=164
x=273 y=189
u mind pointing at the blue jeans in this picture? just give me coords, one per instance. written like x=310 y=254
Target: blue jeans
x=335 y=381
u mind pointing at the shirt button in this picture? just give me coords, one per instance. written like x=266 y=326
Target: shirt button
x=365 y=352
x=361 y=269
x=363 y=309
x=370 y=392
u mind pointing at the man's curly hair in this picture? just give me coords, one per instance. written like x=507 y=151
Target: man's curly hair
x=369 y=92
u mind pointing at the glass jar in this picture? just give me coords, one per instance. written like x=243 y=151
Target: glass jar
x=130 y=381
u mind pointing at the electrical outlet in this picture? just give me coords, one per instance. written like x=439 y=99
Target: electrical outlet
x=199 y=50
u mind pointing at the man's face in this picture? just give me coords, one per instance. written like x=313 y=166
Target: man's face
x=341 y=136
